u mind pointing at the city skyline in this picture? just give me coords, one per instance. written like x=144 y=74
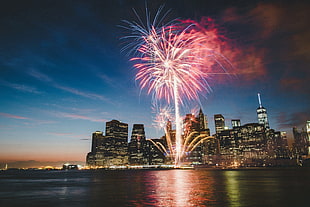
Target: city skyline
x=63 y=75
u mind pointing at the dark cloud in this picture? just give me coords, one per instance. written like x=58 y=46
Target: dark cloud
x=287 y=120
x=300 y=85
x=273 y=40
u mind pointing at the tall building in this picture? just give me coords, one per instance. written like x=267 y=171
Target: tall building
x=190 y=124
x=262 y=114
x=203 y=121
x=243 y=144
x=117 y=129
x=280 y=145
x=219 y=121
x=138 y=132
x=196 y=127
x=138 y=147
x=111 y=149
x=235 y=123
x=97 y=138
x=301 y=142
x=169 y=132
x=95 y=156
x=154 y=154
x=277 y=144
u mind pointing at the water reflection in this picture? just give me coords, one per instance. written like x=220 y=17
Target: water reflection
x=156 y=188
x=267 y=187
x=233 y=188
x=179 y=188
x=182 y=188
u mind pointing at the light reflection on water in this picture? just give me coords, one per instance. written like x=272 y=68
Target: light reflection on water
x=273 y=187
x=232 y=187
x=158 y=188
x=180 y=188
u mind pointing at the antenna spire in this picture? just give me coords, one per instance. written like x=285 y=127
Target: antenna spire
x=259 y=101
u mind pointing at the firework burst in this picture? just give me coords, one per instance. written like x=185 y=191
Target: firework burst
x=175 y=62
x=163 y=115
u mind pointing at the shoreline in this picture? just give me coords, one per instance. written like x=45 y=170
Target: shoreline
x=133 y=168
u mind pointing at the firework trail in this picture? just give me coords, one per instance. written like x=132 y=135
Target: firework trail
x=163 y=120
x=140 y=29
x=175 y=62
x=163 y=115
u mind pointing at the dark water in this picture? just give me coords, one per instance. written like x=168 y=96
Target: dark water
x=262 y=187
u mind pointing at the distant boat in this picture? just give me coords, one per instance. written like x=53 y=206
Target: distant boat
x=6 y=166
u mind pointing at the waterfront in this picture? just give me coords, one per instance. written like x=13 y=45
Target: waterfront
x=200 y=187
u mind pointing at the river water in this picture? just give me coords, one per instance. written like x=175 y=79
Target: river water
x=202 y=187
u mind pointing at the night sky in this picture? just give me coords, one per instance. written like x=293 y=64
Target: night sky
x=63 y=75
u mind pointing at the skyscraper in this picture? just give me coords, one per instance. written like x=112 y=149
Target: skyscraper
x=170 y=132
x=97 y=138
x=219 y=121
x=190 y=124
x=138 y=132
x=301 y=142
x=262 y=114
x=243 y=144
x=117 y=129
x=203 y=121
x=137 y=146
x=111 y=149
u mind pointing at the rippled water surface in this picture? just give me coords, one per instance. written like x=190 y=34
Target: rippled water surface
x=262 y=187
